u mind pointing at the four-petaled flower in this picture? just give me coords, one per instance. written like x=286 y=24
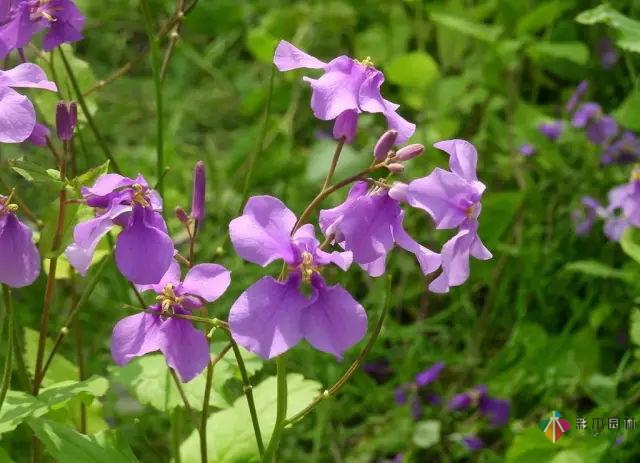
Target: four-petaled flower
x=599 y=127
x=347 y=88
x=272 y=316
x=185 y=348
x=17 y=114
x=19 y=256
x=144 y=250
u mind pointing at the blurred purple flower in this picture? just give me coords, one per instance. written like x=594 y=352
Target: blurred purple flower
x=452 y=198
x=552 y=130
x=347 y=88
x=473 y=443
x=400 y=394
x=272 y=316
x=379 y=370
x=19 y=255
x=623 y=209
x=429 y=375
x=607 y=52
x=17 y=114
x=497 y=410
x=576 y=97
x=144 y=250
x=185 y=348
x=26 y=18
x=527 y=149
x=584 y=219
x=624 y=150
x=599 y=127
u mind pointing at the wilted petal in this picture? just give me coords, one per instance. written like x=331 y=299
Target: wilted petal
x=26 y=75
x=19 y=256
x=135 y=336
x=185 y=348
x=262 y=233
x=334 y=321
x=143 y=253
x=288 y=57
x=17 y=116
x=265 y=319
x=429 y=261
x=208 y=281
x=463 y=157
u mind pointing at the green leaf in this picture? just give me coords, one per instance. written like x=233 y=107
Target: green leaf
x=468 y=27
x=17 y=407
x=60 y=369
x=627 y=113
x=427 y=433
x=35 y=173
x=541 y=16
x=416 y=70
x=89 y=177
x=59 y=394
x=596 y=269
x=4 y=456
x=230 y=433
x=576 y=52
x=629 y=244
x=68 y=445
x=261 y=44
x=634 y=327
x=627 y=30
x=498 y=212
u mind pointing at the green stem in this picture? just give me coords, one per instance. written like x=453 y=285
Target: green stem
x=6 y=375
x=87 y=113
x=205 y=413
x=334 y=164
x=176 y=425
x=281 y=412
x=183 y=396
x=248 y=392
x=354 y=366
x=157 y=82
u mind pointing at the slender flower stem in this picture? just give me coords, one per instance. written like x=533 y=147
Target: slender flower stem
x=8 y=365
x=281 y=412
x=205 y=413
x=157 y=82
x=354 y=366
x=176 y=424
x=248 y=392
x=183 y=395
x=174 y=35
x=87 y=113
x=334 y=164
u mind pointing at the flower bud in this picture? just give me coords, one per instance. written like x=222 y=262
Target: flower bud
x=409 y=152
x=66 y=120
x=199 y=190
x=181 y=215
x=345 y=126
x=395 y=167
x=398 y=191
x=384 y=144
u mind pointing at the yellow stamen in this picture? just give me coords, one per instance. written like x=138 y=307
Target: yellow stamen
x=139 y=195
x=306 y=267
x=367 y=62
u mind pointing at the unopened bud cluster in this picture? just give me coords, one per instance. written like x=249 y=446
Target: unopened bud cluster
x=383 y=152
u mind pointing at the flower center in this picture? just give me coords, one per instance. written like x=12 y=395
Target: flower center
x=42 y=10
x=168 y=298
x=7 y=206
x=139 y=195
x=470 y=211
x=635 y=174
x=307 y=267
x=367 y=62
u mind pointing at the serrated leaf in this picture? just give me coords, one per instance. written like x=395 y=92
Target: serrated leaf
x=230 y=433
x=68 y=445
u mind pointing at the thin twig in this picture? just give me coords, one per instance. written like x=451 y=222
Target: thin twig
x=8 y=365
x=183 y=395
x=334 y=163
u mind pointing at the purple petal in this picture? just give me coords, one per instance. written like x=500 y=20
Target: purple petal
x=143 y=253
x=171 y=277
x=463 y=158
x=330 y=218
x=376 y=268
x=346 y=126
x=19 y=256
x=135 y=336
x=265 y=319
x=26 y=75
x=66 y=28
x=262 y=234
x=429 y=375
x=460 y=401
x=342 y=259
x=455 y=262
x=429 y=261
x=106 y=184
x=334 y=321
x=185 y=348
x=288 y=57
x=39 y=135
x=496 y=409
x=614 y=228
x=17 y=116
x=208 y=281
x=585 y=113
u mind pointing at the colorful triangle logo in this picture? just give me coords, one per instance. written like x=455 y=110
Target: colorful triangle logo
x=554 y=427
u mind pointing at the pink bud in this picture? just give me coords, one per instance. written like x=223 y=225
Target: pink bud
x=395 y=167
x=398 y=191
x=199 y=190
x=409 y=152
x=181 y=215
x=384 y=144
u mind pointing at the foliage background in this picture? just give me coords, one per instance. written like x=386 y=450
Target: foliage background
x=551 y=323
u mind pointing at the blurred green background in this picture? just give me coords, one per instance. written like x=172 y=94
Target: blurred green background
x=550 y=323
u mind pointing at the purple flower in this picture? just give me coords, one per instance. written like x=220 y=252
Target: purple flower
x=19 y=256
x=599 y=127
x=26 y=18
x=144 y=250
x=623 y=209
x=39 y=135
x=577 y=95
x=185 y=348
x=347 y=88
x=583 y=220
x=199 y=191
x=552 y=130
x=272 y=316
x=452 y=198
x=624 y=150
x=497 y=410
x=473 y=443
x=400 y=394
x=429 y=375
x=369 y=224
x=527 y=149
x=607 y=52
x=17 y=114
